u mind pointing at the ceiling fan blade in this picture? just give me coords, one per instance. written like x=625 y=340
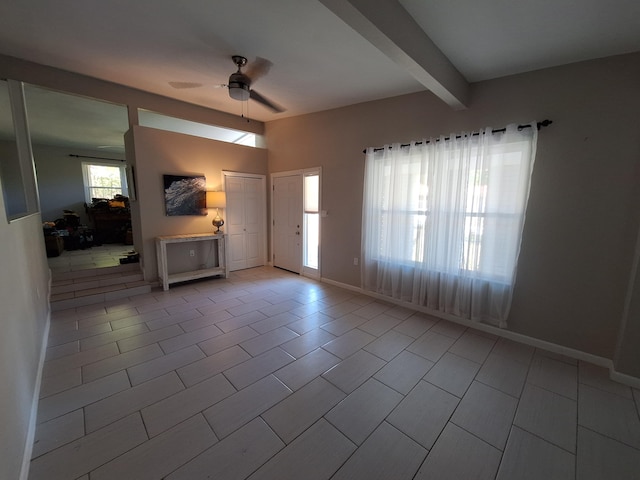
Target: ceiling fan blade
x=267 y=103
x=258 y=68
x=182 y=85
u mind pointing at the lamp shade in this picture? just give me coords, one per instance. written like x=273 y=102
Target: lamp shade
x=216 y=200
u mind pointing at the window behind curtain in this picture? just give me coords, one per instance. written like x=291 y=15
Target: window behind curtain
x=443 y=219
x=103 y=180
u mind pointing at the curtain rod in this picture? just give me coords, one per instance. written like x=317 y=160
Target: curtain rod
x=97 y=158
x=544 y=123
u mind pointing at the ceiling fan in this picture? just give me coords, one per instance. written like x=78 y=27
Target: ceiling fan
x=239 y=84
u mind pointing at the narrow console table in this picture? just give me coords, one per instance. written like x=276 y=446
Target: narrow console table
x=191 y=267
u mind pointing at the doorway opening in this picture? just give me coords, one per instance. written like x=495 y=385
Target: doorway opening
x=85 y=210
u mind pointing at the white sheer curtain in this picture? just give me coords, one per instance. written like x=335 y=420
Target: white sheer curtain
x=443 y=219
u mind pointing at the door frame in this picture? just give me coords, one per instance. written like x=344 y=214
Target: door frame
x=304 y=271
x=263 y=192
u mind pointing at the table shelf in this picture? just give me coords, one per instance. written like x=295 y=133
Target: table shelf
x=167 y=278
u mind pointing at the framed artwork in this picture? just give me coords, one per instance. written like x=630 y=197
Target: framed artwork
x=185 y=195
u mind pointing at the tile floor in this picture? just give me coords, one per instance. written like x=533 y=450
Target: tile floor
x=106 y=255
x=267 y=375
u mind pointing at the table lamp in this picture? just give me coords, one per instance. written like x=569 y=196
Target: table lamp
x=216 y=200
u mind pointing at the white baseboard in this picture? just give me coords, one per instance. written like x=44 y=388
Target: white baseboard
x=624 y=378
x=31 y=431
x=508 y=334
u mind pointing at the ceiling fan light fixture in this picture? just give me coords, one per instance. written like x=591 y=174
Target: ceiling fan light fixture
x=239 y=91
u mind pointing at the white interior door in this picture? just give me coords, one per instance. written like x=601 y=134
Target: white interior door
x=253 y=222
x=287 y=222
x=245 y=222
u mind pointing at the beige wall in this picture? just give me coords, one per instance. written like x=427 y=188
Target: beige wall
x=156 y=152
x=60 y=181
x=583 y=211
x=23 y=320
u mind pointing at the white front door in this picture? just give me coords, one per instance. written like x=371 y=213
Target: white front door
x=287 y=222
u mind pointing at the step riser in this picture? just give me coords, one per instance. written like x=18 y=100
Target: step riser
x=81 y=301
x=86 y=284
x=95 y=272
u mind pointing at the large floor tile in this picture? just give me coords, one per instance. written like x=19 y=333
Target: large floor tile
x=162 y=454
x=257 y=345
x=354 y=371
x=516 y=351
x=373 y=309
x=386 y=454
x=431 y=345
x=310 y=321
x=549 y=416
x=190 y=338
x=404 y=372
x=300 y=410
x=486 y=413
x=554 y=375
x=609 y=414
x=176 y=408
x=528 y=457
x=472 y=347
x=154 y=336
x=110 y=337
x=601 y=457
x=235 y=457
x=416 y=325
x=57 y=432
x=161 y=365
x=59 y=383
x=504 y=374
x=222 y=342
x=380 y=324
x=453 y=374
x=341 y=310
x=80 y=396
x=459 y=455
x=240 y=408
x=89 y=452
x=423 y=413
x=119 y=405
x=75 y=360
x=341 y=325
x=314 y=455
x=305 y=369
x=241 y=321
x=449 y=329
x=363 y=410
x=116 y=363
x=348 y=343
x=254 y=369
x=389 y=345
x=208 y=367
x=598 y=377
x=307 y=342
